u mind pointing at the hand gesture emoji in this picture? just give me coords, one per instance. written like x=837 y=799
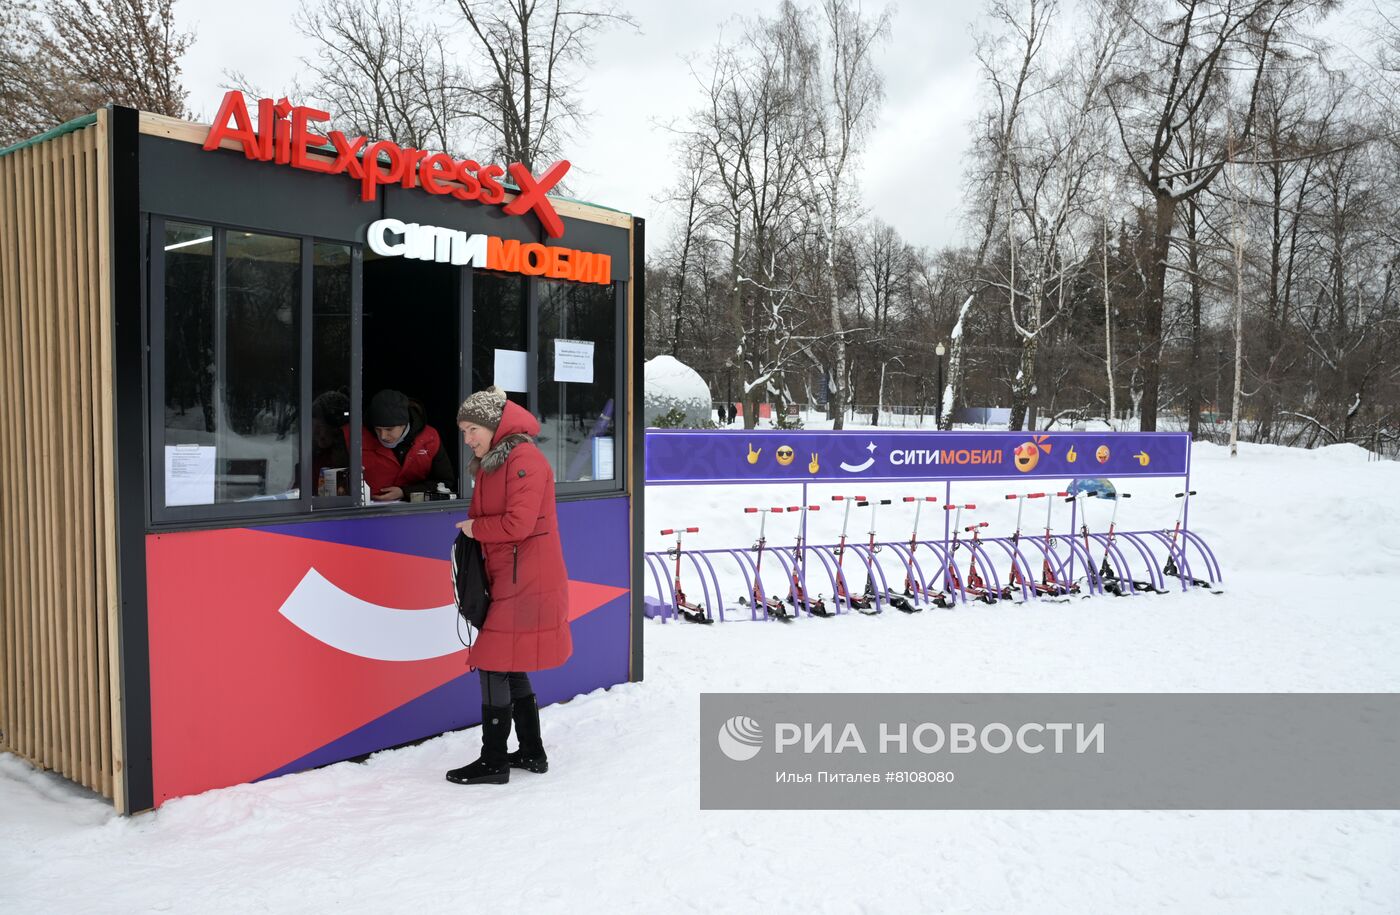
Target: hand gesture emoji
x=814 y=466
x=753 y=455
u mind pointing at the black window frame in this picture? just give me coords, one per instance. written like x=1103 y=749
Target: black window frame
x=309 y=506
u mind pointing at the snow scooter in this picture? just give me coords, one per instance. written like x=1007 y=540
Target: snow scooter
x=863 y=603
x=1049 y=585
x=1171 y=567
x=1108 y=576
x=772 y=606
x=937 y=598
x=799 y=593
x=974 y=586
x=691 y=613
x=895 y=600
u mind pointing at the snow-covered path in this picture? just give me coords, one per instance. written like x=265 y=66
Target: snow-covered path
x=616 y=824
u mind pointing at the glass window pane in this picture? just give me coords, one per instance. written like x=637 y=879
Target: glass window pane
x=498 y=323
x=330 y=369
x=577 y=340
x=258 y=442
x=190 y=418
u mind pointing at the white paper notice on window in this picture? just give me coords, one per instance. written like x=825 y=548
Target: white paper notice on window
x=512 y=370
x=189 y=474
x=573 y=361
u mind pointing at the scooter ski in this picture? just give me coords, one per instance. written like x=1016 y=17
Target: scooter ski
x=773 y=607
x=799 y=593
x=1108 y=576
x=862 y=603
x=1171 y=567
x=974 y=587
x=895 y=600
x=691 y=613
x=937 y=598
x=1049 y=586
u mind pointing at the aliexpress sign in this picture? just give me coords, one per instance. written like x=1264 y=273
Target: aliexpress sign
x=284 y=136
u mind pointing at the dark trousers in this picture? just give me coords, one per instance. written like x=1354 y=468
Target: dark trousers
x=499 y=688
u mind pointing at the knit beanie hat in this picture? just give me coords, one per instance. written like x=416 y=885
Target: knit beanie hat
x=388 y=408
x=483 y=408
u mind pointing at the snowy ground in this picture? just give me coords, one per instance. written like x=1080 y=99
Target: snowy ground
x=616 y=824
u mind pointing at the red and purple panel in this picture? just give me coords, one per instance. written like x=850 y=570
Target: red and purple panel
x=281 y=648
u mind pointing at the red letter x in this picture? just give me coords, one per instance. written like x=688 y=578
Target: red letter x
x=532 y=195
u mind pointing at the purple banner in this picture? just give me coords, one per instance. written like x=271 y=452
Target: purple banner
x=773 y=456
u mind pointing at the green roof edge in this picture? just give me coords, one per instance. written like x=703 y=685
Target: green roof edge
x=76 y=124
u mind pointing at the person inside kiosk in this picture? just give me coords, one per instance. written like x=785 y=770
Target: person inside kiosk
x=402 y=454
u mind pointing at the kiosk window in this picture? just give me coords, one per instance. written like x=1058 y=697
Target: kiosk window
x=330 y=369
x=500 y=335
x=258 y=442
x=231 y=398
x=190 y=418
x=578 y=379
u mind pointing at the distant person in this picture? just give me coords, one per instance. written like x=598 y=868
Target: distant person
x=402 y=454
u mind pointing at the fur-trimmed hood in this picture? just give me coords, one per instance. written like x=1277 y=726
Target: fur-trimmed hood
x=517 y=427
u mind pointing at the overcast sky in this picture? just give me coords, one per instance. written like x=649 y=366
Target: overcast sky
x=911 y=170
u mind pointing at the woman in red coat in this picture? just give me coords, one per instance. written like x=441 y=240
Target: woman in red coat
x=527 y=627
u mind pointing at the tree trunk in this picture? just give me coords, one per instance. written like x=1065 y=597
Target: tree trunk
x=1193 y=375
x=1025 y=383
x=1156 y=306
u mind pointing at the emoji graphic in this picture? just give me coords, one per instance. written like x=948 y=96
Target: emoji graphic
x=753 y=455
x=1071 y=456
x=1027 y=454
x=814 y=466
x=784 y=455
x=1142 y=458
x=1102 y=454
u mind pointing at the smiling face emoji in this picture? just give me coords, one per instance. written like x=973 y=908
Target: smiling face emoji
x=785 y=455
x=1026 y=455
x=1102 y=454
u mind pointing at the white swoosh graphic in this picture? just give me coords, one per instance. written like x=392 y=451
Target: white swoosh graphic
x=354 y=626
x=857 y=468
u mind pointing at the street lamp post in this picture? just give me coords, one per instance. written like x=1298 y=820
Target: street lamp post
x=938 y=394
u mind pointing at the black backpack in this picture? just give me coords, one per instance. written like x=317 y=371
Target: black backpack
x=469 y=580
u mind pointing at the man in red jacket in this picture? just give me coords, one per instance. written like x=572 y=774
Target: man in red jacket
x=403 y=454
x=513 y=517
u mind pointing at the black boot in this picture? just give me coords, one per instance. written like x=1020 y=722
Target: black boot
x=493 y=768
x=530 y=756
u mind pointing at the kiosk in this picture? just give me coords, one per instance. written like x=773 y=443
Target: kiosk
x=199 y=588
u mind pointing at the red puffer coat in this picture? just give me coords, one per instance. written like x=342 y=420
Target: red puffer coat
x=513 y=516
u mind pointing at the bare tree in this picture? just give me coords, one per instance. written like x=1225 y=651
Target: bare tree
x=844 y=103
x=1191 y=63
x=78 y=55
x=385 y=71
x=526 y=95
x=1022 y=39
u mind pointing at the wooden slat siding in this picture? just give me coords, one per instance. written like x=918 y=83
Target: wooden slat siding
x=57 y=500
x=91 y=723
x=53 y=491
x=108 y=499
x=75 y=557
x=43 y=420
x=9 y=515
x=158 y=125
